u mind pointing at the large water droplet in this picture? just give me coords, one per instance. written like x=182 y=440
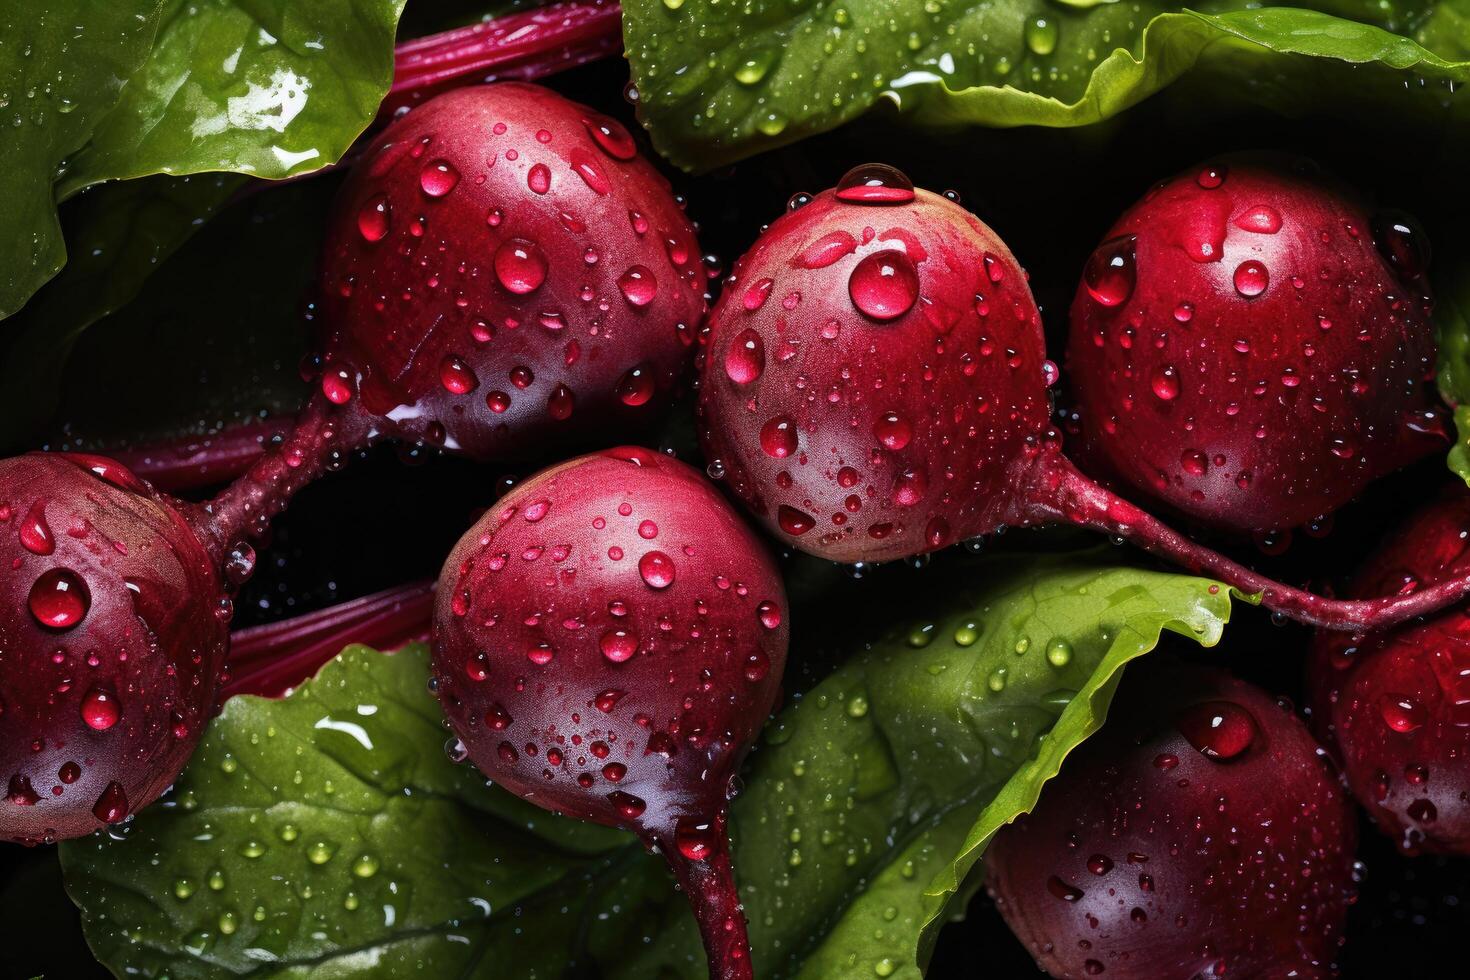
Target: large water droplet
x=520 y=266
x=112 y=805
x=794 y=522
x=875 y=183
x=638 y=285
x=35 y=533
x=1219 y=730
x=884 y=285
x=745 y=359
x=892 y=431
x=657 y=569
x=438 y=178
x=100 y=709
x=778 y=437
x=456 y=376
x=636 y=385
x=1403 y=243
x=373 y=220
x=1251 y=278
x=539 y=178
x=1112 y=271
x=611 y=137
x=59 y=599
x=618 y=645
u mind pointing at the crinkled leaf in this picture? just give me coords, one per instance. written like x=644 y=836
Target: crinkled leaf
x=718 y=83
x=102 y=91
x=327 y=831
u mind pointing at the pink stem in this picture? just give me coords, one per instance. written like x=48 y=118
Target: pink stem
x=709 y=883
x=1059 y=492
x=524 y=45
x=272 y=659
x=243 y=510
x=195 y=462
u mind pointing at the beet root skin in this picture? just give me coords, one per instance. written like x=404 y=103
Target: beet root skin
x=1395 y=707
x=1146 y=857
x=866 y=439
x=104 y=701
x=608 y=641
x=1250 y=346
x=503 y=272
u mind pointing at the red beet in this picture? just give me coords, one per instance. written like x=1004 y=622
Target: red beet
x=1397 y=705
x=503 y=269
x=1199 y=834
x=608 y=641
x=111 y=638
x=1251 y=346
x=114 y=627
x=874 y=387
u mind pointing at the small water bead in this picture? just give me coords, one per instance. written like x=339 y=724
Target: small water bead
x=1219 y=730
x=520 y=266
x=59 y=599
x=112 y=805
x=638 y=285
x=1112 y=271
x=1403 y=243
x=538 y=178
x=755 y=297
x=611 y=137
x=100 y=709
x=584 y=165
x=618 y=645
x=745 y=358
x=884 y=285
x=1165 y=382
x=793 y=521
x=1251 y=278
x=696 y=840
x=636 y=386
x=1042 y=34
x=1402 y=713
x=438 y=178
x=374 y=219
x=560 y=403
x=1184 y=312
x=1194 y=462
x=1211 y=177
x=778 y=437
x=35 y=533
x=875 y=183
x=892 y=431
x=1061 y=890
x=456 y=376
x=657 y=569
x=628 y=806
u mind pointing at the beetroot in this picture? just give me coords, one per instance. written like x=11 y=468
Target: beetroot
x=503 y=270
x=1251 y=346
x=1396 y=706
x=1199 y=834
x=874 y=387
x=608 y=641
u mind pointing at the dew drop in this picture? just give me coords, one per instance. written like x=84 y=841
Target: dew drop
x=1112 y=271
x=520 y=266
x=884 y=285
x=59 y=599
x=875 y=183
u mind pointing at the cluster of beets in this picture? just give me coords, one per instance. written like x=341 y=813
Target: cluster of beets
x=504 y=272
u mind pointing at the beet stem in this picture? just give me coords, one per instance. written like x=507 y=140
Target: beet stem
x=270 y=660
x=193 y=462
x=1060 y=492
x=710 y=887
x=244 y=509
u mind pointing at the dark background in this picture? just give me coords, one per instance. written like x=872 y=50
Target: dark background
x=1050 y=194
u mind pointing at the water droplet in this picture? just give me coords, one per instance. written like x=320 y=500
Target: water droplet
x=884 y=285
x=628 y=806
x=438 y=178
x=745 y=358
x=1262 y=220
x=35 y=532
x=1219 y=730
x=59 y=599
x=1251 y=278
x=611 y=137
x=619 y=645
x=112 y=805
x=657 y=569
x=892 y=431
x=778 y=437
x=1402 y=713
x=100 y=709
x=875 y=183
x=1112 y=271
x=539 y=178
x=638 y=285
x=373 y=221
x=456 y=376
x=636 y=386
x=520 y=266
x=696 y=839
x=1060 y=889
x=560 y=402
x=1041 y=35
x=1165 y=382
x=1211 y=177
x=1403 y=243
x=793 y=521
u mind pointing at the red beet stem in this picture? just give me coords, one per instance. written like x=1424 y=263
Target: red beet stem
x=524 y=45
x=272 y=659
x=1060 y=492
x=709 y=884
x=244 y=508
x=194 y=462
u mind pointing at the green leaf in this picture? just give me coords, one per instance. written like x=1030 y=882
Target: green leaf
x=106 y=91
x=1452 y=320
x=717 y=84
x=63 y=66
x=870 y=800
x=866 y=807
